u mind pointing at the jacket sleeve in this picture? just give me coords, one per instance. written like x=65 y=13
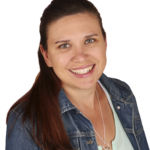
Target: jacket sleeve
x=19 y=137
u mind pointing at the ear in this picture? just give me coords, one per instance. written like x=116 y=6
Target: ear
x=45 y=56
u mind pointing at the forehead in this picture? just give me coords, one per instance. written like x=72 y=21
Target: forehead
x=73 y=26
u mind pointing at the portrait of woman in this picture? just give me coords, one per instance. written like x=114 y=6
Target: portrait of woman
x=72 y=104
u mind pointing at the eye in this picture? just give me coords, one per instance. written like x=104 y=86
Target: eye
x=62 y=46
x=90 y=39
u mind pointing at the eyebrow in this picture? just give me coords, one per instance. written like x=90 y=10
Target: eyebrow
x=65 y=41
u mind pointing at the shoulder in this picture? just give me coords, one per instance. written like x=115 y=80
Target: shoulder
x=115 y=84
x=121 y=83
x=17 y=112
x=15 y=118
x=19 y=133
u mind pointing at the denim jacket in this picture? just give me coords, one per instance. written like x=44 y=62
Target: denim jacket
x=79 y=129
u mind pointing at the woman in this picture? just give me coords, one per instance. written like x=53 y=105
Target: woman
x=72 y=104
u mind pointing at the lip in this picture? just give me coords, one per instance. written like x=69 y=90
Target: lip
x=84 y=75
x=81 y=67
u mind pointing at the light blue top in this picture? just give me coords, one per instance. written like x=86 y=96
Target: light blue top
x=121 y=141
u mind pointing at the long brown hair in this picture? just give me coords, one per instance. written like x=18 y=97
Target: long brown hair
x=40 y=104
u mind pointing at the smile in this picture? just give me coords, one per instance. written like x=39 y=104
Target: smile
x=83 y=71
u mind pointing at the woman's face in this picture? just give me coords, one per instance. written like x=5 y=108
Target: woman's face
x=76 y=45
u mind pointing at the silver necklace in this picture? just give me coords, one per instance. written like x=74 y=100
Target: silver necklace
x=105 y=144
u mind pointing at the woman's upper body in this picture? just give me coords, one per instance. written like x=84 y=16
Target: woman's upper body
x=72 y=57
x=80 y=129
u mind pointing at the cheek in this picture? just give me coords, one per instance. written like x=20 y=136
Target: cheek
x=59 y=61
x=99 y=54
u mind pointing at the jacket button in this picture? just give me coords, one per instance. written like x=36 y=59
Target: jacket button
x=77 y=112
x=89 y=142
x=118 y=107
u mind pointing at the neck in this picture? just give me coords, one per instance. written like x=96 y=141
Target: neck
x=83 y=99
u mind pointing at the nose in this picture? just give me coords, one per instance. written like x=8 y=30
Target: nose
x=80 y=55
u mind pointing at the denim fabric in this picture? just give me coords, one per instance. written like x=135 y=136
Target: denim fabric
x=79 y=129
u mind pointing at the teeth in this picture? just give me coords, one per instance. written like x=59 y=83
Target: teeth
x=82 y=71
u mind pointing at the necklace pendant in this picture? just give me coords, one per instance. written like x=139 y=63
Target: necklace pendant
x=106 y=146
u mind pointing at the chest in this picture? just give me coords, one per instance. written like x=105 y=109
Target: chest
x=104 y=124
x=104 y=132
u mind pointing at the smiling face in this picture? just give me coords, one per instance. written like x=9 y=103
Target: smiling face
x=76 y=50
